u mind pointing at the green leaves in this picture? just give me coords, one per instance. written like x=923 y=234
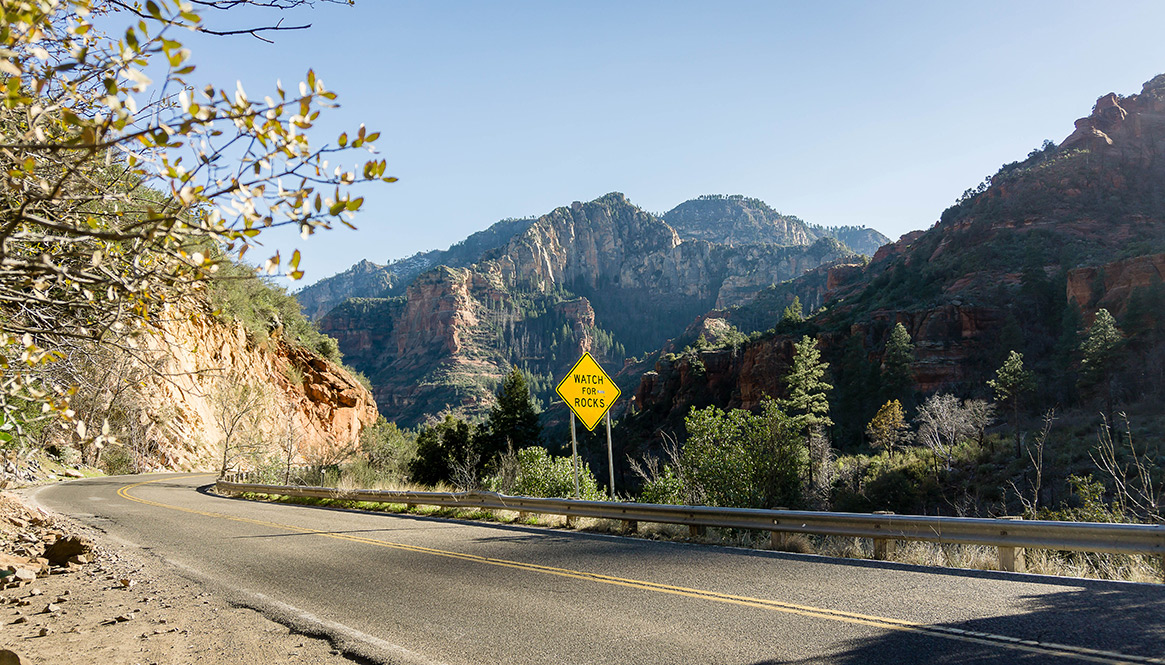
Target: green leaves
x=1011 y=378
x=807 y=386
x=146 y=189
x=735 y=458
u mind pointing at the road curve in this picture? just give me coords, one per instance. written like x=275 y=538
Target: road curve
x=413 y=589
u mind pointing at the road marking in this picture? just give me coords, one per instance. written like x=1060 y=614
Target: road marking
x=975 y=637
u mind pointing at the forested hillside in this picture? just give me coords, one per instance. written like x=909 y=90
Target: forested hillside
x=1037 y=294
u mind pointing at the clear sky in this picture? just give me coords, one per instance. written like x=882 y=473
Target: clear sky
x=876 y=114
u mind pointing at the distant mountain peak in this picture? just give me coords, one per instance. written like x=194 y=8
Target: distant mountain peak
x=736 y=219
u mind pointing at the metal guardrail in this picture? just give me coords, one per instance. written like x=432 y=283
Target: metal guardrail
x=1010 y=535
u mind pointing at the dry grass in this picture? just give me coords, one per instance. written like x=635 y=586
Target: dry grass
x=1131 y=568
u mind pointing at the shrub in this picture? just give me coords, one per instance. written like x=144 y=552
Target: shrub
x=117 y=461
x=541 y=474
x=739 y=459
x=388 y=449
x=665 y=488
x=262 y=308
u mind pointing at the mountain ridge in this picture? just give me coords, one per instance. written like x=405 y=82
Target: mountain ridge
x=367 y=279
x=602 y=276
x=1021 y=262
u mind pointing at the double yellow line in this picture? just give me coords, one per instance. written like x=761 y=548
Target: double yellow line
x=945 y=632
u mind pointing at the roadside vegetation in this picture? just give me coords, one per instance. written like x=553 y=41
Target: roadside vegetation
x=943 y=455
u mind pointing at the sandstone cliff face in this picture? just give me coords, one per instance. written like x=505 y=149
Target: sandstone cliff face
x=1111 y=286
x=948 y=341
x=201 y=356
x=600 y=270
x=371 y=280
x=622 y=258
x=1129 y=126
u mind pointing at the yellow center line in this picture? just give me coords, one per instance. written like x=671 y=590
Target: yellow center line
x=990 y=639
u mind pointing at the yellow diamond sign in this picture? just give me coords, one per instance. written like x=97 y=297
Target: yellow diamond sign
x=588 y=391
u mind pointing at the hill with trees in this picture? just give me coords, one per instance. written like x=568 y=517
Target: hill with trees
x=1031 y=295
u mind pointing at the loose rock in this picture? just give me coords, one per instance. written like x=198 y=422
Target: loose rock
x=63 y=549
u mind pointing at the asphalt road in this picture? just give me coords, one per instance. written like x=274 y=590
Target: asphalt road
x=416 y=589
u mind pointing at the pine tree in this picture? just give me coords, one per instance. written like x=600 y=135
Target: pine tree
x=1011 y=380
x=857 y=385
x=807 y=404
x=807 y=387
x=794 y=312
x=1099 y=353
x=513 y=422
x=897 y=375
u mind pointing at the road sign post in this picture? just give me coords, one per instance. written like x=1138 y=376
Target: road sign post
x=574 y=454
x=589 y=394
x=610 y=455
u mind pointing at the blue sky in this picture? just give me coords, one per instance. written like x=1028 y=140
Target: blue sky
x=837 y=112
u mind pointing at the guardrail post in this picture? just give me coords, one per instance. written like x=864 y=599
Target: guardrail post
x=1010 y=558
x=523 y=516
x=777 y=540
x=630 y=526
x=696 y=531
x=884 y=547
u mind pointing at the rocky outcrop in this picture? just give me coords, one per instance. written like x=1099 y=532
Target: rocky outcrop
x=366 y=278
x=370 y=280
x=738 y=220
x=200 y=358
x=1130 y=126
x=1112 y=285
x=603 y=271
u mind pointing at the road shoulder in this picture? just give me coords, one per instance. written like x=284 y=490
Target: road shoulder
x=120 y=604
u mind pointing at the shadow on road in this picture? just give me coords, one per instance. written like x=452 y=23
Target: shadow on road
x=1122 y=619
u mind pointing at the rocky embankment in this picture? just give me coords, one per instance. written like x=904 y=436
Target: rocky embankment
x=65 y=597
x=177 y=410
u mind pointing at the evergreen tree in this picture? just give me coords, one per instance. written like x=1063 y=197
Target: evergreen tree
x=443 y=449
x=793 y=313
x=806 y=384
x=1065 y=376
x=1099 y=354
x=1011 y=380
x=807 y=404
x=1143 y=311
x=888 y=426
x=1010 y=338
x=897 y=375
x=857 y=387
x=513 y=421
